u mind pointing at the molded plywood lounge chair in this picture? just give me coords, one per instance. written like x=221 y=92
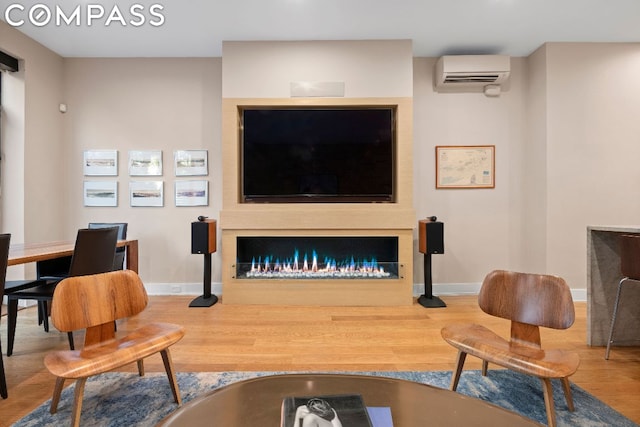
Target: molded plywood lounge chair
x=528 y=301
x=93 y=303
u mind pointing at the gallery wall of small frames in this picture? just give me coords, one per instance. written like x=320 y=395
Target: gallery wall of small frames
x=146 y=186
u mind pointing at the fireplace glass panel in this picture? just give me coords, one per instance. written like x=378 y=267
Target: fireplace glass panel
x=343 y=257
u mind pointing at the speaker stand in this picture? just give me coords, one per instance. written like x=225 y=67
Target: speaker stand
x=207 y=299
x=428 y=300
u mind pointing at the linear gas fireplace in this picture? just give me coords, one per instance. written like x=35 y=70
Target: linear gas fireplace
x=317 y=257
x=317 y=203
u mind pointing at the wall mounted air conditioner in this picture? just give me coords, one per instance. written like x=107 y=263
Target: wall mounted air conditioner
x=471 y=73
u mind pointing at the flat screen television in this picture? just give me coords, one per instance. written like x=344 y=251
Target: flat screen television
x=318 y=154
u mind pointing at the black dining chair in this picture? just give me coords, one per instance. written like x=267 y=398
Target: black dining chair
x=57 y=269
x=93 y=253
x=118 y=263
x=4 y=258
x=54 y=269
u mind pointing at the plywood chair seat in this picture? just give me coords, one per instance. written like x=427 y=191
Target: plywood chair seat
x=485 y=344
x=528 y=301
x=94 y=303
x=112 y=354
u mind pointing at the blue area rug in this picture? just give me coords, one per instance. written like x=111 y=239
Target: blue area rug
x=125 y=399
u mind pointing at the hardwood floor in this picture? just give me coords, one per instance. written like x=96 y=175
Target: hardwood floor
x=288 y=338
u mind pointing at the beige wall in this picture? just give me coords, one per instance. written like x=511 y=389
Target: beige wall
x=567 y=145
x=266 y=69
x=566 y=136
x=34 y=203
x=146 y=104
x=481 y=227
x=593 y=147
x=534 y=165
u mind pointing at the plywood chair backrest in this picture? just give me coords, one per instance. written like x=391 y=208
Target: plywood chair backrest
x=529 y=301
x=95 y=301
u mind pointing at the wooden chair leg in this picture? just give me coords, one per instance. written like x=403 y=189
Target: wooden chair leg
x=57 y=390
x=455 y=376
x=567 y=394
x=485 y=368
x=171 y=375
x=77 y=402
x=140 y=367
x=548 y=401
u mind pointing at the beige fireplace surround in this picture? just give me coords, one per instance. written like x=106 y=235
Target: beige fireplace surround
x=395 y=219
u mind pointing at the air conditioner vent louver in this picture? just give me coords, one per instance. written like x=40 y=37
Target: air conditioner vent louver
x=470 y=72
x=472 y=79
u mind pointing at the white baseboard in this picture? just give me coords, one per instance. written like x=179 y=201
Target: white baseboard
x=439 y=289
x=448 y=289
x=181 y=288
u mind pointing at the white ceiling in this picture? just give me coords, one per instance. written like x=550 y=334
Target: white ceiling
x=196 y=28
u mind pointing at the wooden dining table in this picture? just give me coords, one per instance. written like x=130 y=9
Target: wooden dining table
x=24 y=253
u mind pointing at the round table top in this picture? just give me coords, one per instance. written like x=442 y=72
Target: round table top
x=258 y=401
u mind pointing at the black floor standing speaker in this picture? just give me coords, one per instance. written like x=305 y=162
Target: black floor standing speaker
x=203 y=241
x=431 y=241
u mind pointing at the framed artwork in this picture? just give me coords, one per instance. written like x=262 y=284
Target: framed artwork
x=190 y=162
x=146 y=193
x=145 y=163
x=100 y=193
x=192 y=193
x=470 y=166
x=100 y=163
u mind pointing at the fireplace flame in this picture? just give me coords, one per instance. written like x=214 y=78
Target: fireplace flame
x=328 y=268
